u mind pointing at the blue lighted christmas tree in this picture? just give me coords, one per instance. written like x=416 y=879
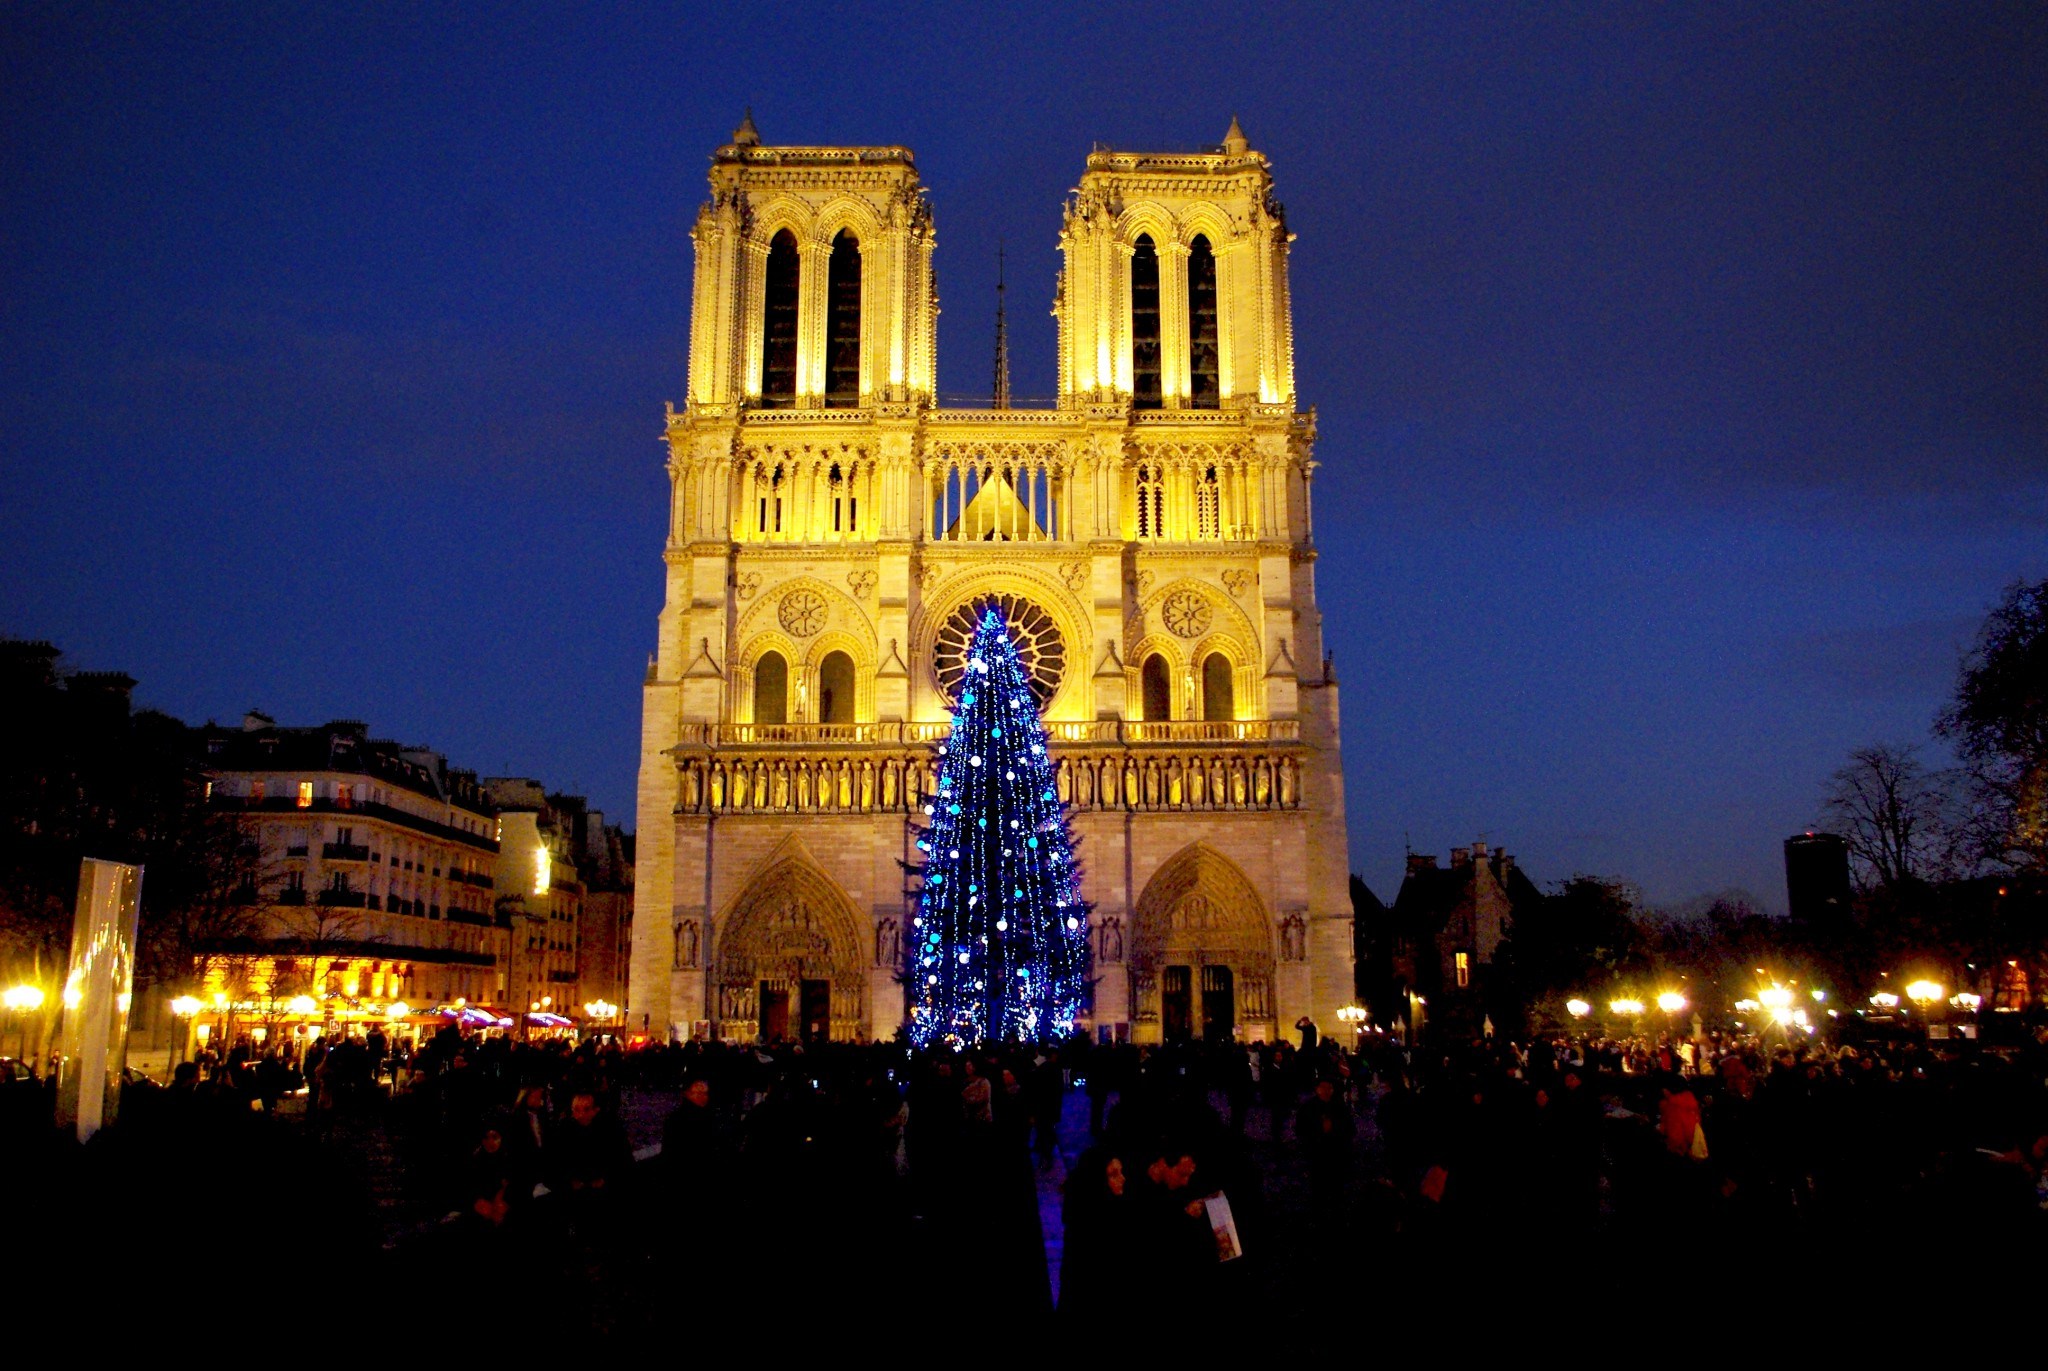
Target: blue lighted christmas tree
x=999 y=944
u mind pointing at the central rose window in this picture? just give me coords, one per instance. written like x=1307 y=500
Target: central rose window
x=1038 y=643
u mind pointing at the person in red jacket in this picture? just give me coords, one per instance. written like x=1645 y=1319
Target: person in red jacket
x=1678 y=1118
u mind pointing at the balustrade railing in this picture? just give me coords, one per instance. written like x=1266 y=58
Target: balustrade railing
x=1087 y=778
x=1116 y=732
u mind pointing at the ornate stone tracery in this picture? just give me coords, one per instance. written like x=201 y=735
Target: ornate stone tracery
x=1032 y=629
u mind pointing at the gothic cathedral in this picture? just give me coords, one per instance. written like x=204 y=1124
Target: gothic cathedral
x=833 y=531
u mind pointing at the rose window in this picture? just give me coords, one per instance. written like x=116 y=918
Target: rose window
x=1032 y=630
x=1186 y=613
x=802 y=612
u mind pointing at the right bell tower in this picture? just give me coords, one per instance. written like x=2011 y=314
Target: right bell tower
x=1174 y=293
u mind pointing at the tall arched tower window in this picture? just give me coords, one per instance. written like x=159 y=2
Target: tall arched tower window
x=842 y=322
x=1205 y=362
x=1158 y=689
x=771 y=689
x=1151 y=499
x=778 y=323
x=1218 y=698
x=1209 y=504
x=835 y=689
x=1145 y=378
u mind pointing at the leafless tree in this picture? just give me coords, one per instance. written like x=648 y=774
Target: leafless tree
x=1900 y=819
x=1998 y=721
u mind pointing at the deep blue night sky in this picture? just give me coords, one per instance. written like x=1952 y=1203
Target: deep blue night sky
x=1683 y=372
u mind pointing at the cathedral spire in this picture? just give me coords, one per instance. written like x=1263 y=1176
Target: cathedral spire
x=1001 y=398
x=746 y=135
x=1235 y=144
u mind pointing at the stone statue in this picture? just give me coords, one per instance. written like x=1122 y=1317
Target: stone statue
x=1293 y=939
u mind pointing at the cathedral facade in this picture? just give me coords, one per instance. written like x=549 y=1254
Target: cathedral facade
x=834 y=531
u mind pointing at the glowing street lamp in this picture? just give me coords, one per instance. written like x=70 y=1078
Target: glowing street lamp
x=22 y=1000
x=1626 y=1008
x=186 y=1008
x=1924 y=993
x=1884 y=999
x=1578 y=1009
x=1671 y=1002
x=1967 y=1001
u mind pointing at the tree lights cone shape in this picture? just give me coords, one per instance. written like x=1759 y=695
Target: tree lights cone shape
x=999 y=945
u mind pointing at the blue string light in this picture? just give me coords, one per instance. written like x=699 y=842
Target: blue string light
x=1001 y=968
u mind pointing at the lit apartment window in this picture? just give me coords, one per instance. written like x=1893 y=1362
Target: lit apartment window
x=541 y=871
x=1464 y=969
x=305 y=794
x=344 y=796
x=255 y=792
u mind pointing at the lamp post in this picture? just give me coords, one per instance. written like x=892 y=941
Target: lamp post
x=185 y=1008
x=22 y=1001
x=1924 y=993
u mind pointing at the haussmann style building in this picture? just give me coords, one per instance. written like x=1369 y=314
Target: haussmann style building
x=834 y=531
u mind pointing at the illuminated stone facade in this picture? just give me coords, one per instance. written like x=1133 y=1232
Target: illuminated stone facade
x=831 y=527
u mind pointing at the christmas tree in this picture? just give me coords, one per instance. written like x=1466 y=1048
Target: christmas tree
x=999 y=945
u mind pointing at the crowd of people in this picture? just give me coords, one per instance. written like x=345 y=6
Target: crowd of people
x=1182 y=1173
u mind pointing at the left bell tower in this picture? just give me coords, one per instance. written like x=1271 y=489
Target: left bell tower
x=812 y=360
x=814 y=279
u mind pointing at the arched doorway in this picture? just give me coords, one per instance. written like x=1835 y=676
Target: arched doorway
x=789 y=960
x=1202 y=952
x=1218 y=699
x=771 y=689
x=835 y=689
x=1155 y=689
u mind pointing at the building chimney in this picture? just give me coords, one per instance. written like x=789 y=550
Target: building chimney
x=1461 y=856
x=1479 y=851
x=1421 y=861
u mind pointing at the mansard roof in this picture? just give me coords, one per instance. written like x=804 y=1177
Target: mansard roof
x=342 y=745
